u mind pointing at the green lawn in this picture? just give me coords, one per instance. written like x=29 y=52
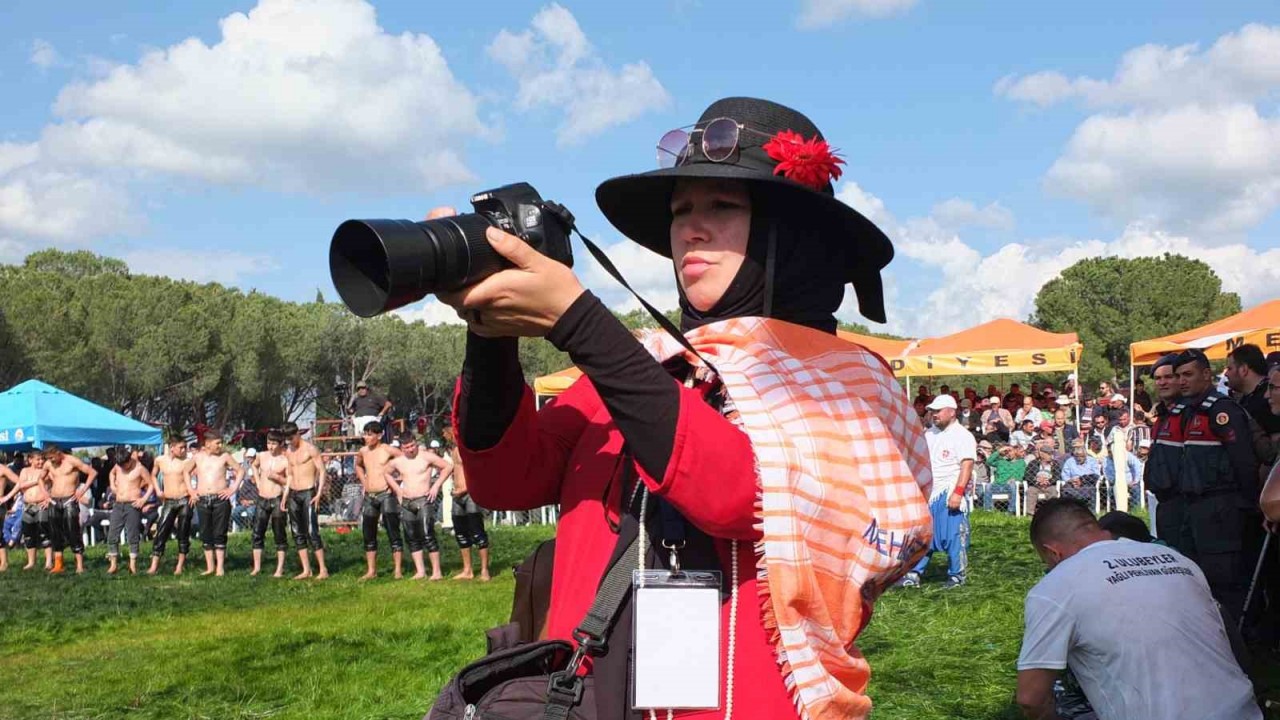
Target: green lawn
x=242 y=647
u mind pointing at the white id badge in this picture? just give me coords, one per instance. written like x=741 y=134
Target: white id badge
x=677 y=640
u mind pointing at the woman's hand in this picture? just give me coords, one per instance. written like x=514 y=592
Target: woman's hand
x=522 y=301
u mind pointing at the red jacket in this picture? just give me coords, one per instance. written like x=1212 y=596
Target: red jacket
x=567 y=452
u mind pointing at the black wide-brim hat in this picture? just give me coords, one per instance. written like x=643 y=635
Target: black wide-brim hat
x=639 y=205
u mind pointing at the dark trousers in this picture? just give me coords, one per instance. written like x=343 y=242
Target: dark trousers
x=64 y=525
x=303 y=521
x=34 y=526
x=418 y=516
x=124 y=516
x=269 y=513
x=215 y=519
x=385 y=505
x=1213 y=531
x=175 y=517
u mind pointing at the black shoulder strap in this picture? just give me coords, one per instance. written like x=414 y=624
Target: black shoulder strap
x=657 y=316
x=564 y=691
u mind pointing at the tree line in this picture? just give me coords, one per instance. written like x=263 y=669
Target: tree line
x=178 y=353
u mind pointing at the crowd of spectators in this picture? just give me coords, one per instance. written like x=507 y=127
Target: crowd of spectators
x=1037 y=444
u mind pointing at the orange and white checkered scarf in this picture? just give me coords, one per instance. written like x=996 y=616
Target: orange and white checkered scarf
x=844 y=483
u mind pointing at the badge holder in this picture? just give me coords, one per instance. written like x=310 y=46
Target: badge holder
x=676 y=661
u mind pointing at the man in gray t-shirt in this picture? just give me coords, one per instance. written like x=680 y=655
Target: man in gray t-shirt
x=1134 y=621
x=366 y=406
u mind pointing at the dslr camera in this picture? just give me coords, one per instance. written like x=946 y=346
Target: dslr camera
x=381 y=265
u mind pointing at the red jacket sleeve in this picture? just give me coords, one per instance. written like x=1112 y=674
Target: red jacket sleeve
x=711 y=477
x=525 y=468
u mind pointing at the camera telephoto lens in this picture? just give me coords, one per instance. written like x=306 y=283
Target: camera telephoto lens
x=381 y=265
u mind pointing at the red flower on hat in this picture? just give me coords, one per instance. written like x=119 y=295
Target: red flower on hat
x=809 y=162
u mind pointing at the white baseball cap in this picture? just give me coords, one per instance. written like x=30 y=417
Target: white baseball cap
x=435 y=443
x=995 y=400
x=1064 y=400
x=1116 y=397
x=942 y=401
x=251 y=452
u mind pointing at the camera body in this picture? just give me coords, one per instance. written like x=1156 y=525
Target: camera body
x=381 y=265
x=519 y=209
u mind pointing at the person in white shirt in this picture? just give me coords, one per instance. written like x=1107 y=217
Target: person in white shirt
x=1172 y=660
x=952 y=451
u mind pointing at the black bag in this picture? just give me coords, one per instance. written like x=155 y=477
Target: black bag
x=542 y=680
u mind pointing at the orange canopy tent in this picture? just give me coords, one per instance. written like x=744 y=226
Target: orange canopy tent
x=549 y=386
x=1259 y=325
x=893 y=351
x=997 y=347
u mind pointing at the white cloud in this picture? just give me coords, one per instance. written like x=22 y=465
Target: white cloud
x=61 y=206
x=1243 y=66
x=227 y=268
x=431 y=312
x=1188 y=140
x=43 y=54
x=556 y=67
x=306 y=95
x=648 y=272
x=821 y=13
x=974 y=288
x=1212 y=170
x=957 y=213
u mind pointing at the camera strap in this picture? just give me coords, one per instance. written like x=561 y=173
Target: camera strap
x=658 y=317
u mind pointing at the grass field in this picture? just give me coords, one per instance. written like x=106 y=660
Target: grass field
x=239 y=647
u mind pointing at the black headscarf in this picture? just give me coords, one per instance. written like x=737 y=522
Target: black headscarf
x=808 y=277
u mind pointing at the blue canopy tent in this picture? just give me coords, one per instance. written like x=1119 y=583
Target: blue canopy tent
x=35 y=414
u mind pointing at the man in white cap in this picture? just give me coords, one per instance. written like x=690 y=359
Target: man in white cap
x=952 y=452
x=997 y=420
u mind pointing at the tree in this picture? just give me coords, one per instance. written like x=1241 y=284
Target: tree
x=1113 y=302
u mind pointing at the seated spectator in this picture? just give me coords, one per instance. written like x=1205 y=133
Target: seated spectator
x=1028 y=411
x=1007 y=466
x=923 y=394
x=1080 y=473
x=1045 y=434
x=1013 y=400
x=966 y=416
x=1064 y=433
x=997 y=423
x=1171 y=660
x=1041 y=477
x=1025 y=433
x=1141 y=399
x=1096 y=449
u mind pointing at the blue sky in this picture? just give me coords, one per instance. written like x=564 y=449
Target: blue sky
x=997 y=142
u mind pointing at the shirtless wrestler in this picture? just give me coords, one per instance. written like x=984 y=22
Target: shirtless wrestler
x=66 y=490
x=178 y=501
x=410 y=477
x=305 y=490
x=271 y=473
x=33 y=483
x=379 y=500
x=131 y=484
x=215 y=501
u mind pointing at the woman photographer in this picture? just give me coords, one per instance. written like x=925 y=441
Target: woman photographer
x=794 y=463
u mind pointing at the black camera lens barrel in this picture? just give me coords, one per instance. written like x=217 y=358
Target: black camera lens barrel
x=381 y=265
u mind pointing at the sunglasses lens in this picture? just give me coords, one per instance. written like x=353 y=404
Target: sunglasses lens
x=720 y=139
x=672 y=147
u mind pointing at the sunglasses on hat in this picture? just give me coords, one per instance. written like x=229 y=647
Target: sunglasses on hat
x=719 y=140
